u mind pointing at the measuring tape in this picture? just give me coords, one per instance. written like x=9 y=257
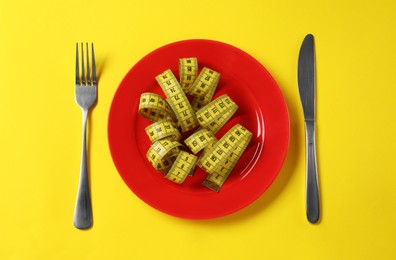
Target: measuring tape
x=153 y=107
x=204 y=88
x=199 y=102
x=205 y=151
x=163 y=129
x=183 y=166
x=177 y=100
x=216 y=125
x=188 y=71
x=166 y=154
x=216 y=113
x=219 y=161
x=163 y=153
x=206 y=81
x=199 y=140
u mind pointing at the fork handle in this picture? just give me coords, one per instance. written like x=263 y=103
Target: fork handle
x=312 y=187
x=83 y=209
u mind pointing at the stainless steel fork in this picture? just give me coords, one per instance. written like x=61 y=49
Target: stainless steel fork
x=86 y=95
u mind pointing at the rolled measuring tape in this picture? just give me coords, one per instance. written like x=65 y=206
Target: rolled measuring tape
x=199 y=140
x=163 y=153
x=205 y=151
x=177 y=100
x=216 y=125
x=202 y=139
x=206 y=81
x=219 y=161
x=199 y=102
x=163 y=129
x=215 y=114
x=153 y=107
x=188 y=71
x=183 y=166
x=166 y=154
x=204 y=88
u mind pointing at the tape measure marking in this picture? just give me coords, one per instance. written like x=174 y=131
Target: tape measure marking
x=163 y=153
x=177 y=100
x=163 y=129
x=199 y=102
x=153 y=107
x=224 y=147
x=188 y=71
x=206 y=80
x=215 y=109
x=219 y=175
x=216 y=125
x=205 y=151
x=199 y=140
x=219 y=161
x=183 y=166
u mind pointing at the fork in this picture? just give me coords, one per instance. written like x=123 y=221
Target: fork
x=86 y=95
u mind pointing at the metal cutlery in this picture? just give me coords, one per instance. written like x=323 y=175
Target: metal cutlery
x=306 y=86
x=85 y=95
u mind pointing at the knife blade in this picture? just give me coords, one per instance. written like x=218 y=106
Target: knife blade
x=306 y=87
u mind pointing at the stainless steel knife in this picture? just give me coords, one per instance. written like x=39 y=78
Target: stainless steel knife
x=306 y=87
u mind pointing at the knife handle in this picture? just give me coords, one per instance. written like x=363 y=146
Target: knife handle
x=312 y=188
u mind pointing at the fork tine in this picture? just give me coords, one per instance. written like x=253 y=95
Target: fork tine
x=82 y=65
x=93 y=67
x=77 y=68
x=88 y=72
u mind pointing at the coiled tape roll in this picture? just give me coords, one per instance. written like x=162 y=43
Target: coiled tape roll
x=166 y=153
x=163 y=129
x=199 y=140
x=188 y=70
x=163 y=153
x=177 y=100
x=207 y=79
x=215 y=114
x=153 y=107
x=219 y=161
x=183 y=166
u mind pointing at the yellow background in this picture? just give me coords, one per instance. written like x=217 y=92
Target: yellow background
x=41 y=130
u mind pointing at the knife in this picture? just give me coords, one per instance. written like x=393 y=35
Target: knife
x=306 y=87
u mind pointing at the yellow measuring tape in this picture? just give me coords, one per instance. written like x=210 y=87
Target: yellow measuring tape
x=199 y=140
x=167 y=154
x=219 y=161
x=177 y=100
x=153 y=107
x=188 y=71
x=206 y=81
x=206 y=77
x=163 y=129
x=183 y=166
x=215 y=126
x=163 y=153
x=215 y=114
x=205 y=151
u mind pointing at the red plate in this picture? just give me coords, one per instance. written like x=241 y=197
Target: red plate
x=259 y=99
